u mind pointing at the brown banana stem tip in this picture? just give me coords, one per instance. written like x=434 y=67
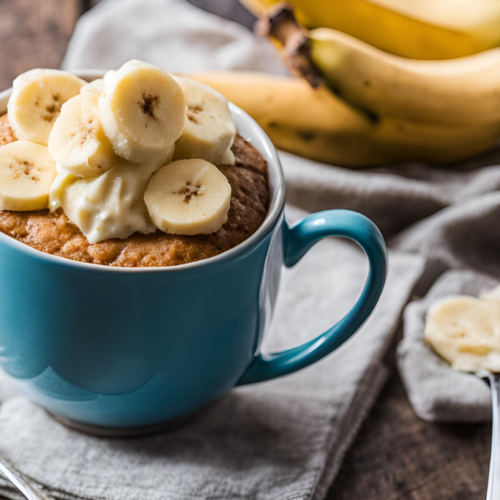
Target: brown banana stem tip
x=279 y=22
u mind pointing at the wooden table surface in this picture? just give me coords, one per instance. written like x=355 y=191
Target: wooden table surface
x=396 y=455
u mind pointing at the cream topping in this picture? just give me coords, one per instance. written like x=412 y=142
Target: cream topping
x=109 y=206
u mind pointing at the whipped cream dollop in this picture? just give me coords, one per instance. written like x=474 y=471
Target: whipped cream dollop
x=109 y=206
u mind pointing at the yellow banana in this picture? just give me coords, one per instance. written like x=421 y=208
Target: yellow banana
x=464 y=90
x=457 y=91
x=307 y=122
x=383 y=145
x=268 y=99
x=318 y=125
x=406 y=140
x=423 y=29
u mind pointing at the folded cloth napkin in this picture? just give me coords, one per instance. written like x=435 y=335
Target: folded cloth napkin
x=170 y=33
x=436 y=392
x=283 y=439
x=449 y=217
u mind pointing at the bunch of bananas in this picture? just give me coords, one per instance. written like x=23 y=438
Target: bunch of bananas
x=358 y=106
x=420 y=29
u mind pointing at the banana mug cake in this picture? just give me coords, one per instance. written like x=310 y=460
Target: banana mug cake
x=139 y=168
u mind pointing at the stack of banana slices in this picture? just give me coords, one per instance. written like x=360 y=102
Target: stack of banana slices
x=133 y=151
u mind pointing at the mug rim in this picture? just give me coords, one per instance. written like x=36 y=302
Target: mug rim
x=257 y=138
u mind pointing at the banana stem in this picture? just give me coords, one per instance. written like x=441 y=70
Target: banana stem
x=280 y=23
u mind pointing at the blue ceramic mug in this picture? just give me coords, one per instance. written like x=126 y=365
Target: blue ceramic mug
x=133 y=347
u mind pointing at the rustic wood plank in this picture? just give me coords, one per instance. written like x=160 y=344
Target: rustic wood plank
x=34 y=34
x=397 y=456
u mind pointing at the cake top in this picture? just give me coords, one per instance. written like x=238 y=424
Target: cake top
x=134 y=151
x=53 y=233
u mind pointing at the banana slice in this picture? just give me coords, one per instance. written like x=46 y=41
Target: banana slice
x=492 y=295
x=36 y=102
x=26 y=174
x=465 y=331
x=188 y=197
x=227 y=158
x=94 y=87
x=97 y=86
x=210 y=129
x=108 y=76
x=142 y=111
x=77 y=141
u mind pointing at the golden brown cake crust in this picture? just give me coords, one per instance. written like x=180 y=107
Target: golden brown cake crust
x=53 y=233
x=6 y=133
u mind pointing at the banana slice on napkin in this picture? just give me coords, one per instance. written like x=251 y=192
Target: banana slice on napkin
x=465 y=331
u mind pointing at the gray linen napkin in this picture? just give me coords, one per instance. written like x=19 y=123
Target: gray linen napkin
x=436 y=392
x=450 y=217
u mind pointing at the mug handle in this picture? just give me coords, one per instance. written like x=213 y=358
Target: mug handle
x=297 y=240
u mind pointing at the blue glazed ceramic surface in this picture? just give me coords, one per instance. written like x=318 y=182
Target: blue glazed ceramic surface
x=132 y=347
